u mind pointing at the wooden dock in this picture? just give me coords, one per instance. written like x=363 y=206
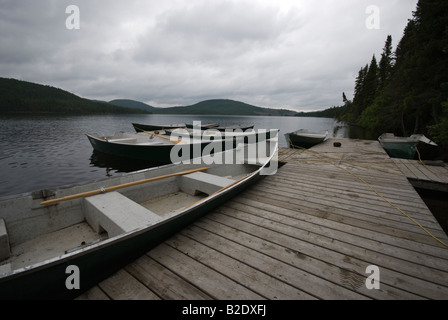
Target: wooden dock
x=308 y=232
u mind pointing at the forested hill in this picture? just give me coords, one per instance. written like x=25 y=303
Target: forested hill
x=225 y=107
x=18 y=96
x=406 y=91
x=128 y=103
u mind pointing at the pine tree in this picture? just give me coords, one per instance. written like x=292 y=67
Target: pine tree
x=359 y=95
x=386 y=64
x=371 y=83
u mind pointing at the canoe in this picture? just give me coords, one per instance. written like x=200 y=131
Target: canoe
x=56 y=244
x=304 y=139
x=152 y=127
x=160 y=148
x=402 y=147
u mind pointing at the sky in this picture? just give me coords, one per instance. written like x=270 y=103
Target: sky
x=297 y=54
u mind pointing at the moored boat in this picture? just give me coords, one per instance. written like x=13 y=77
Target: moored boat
x=58 y=243
x=304 y=139
x=402 y=147
x=247 y=136
x=152 y=127
x=221 y=128
x=202 y=126
x=178 y=144
x=151 y=147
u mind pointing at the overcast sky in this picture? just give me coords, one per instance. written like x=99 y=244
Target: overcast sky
x=297 y=54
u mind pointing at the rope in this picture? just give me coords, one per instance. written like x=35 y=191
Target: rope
x=374 y=190
x=421 y=162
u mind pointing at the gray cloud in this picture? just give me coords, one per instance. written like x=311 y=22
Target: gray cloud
x=295 y=54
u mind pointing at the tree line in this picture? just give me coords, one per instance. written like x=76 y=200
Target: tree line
x=406 y=91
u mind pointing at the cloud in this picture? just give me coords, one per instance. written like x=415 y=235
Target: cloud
x=298 y=54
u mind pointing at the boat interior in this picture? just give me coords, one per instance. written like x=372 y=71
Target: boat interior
x=31 y=233
x=140 y=138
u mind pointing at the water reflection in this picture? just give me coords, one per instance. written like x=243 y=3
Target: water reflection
x=115 y=164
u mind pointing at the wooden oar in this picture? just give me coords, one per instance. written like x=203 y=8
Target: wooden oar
x=160 y=136
x=113 y=188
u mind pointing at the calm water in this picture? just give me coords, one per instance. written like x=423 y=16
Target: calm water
x=50 y=151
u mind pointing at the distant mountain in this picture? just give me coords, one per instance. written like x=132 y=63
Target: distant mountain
x=224 y=107
x=18 y=96
x=133 y=104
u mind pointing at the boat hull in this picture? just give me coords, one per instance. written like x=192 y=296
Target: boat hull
x=219 y=128
x=49 y=281
x=149 y=127
x=156 y=153
x=163 y=153
x=402 y=147
x=299 y=141
x=402 y=150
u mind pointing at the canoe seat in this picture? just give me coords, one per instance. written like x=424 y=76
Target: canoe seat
x=116 y=214
x=196 y=182
x=5 y=250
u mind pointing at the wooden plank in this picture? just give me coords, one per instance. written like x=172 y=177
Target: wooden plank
x=162 y=281
x=235 y=267
x=441 y=172
x=342 y=270
x=94 y=293
x=379 y=233
x=340 y=237
x=426 y=171
x=123 y=286
x=292 y=274
x=403 y=168
x=201 y=276
x=368 y=196
x=417 y=173
x=368 y=204
x=334 y=183
x=354 y=187
x=341 y=175
x=340 y=170
x=382 y=217
x=285 y=236
x=303 y=188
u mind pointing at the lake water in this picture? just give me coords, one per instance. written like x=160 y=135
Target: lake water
x=39 y=152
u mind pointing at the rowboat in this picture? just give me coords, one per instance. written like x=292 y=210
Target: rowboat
x=402 y=147
x=248 y=136
x=56 y=244
x=304 y=139
x=222 y=128
x=153 y=127
x=151 y=146
x=163 y=146
x=139 y=127
x=202 y=126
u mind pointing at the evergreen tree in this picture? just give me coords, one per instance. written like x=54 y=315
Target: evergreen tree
x=386 y=63
x=359 y=95
x=371 y=83
x=366 y=87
